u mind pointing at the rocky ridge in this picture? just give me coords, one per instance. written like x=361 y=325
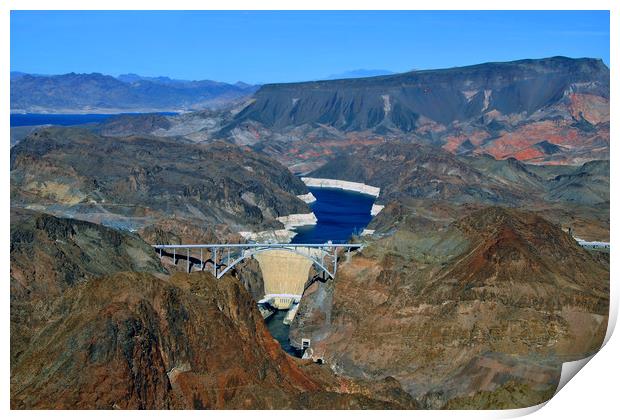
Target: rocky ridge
x=133 y=182
x=88 y=335
x=497 y=300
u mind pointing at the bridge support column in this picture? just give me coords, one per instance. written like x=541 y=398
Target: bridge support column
x=202 y=267
x=214 y=255
x=335 y=260
x=174 y=256
x=348 y=254
x=188 y=260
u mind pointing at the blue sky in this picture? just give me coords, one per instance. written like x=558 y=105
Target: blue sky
x=261 y=47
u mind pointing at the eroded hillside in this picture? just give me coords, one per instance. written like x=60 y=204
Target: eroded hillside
x=96 y=323
x=133 y=182
x=484 y=309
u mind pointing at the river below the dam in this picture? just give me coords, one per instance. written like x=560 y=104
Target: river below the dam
x=339 y=214
x=279 y=331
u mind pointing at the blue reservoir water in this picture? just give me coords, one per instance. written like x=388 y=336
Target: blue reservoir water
x=18 y=120
x=339 y=213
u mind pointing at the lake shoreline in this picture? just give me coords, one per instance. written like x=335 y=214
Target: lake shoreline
x=358 y=187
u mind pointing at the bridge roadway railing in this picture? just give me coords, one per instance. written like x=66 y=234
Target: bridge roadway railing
x=223 y=257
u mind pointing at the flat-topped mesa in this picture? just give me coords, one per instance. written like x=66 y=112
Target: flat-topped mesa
x=341 y=184
x=402 y=103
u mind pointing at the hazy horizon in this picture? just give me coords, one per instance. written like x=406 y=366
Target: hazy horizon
x=345 y=74
x=264 y=47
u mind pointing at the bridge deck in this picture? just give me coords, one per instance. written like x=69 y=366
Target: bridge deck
x=322 y=255
x=261 y=245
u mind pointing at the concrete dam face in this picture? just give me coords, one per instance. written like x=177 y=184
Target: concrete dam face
x=284 y=275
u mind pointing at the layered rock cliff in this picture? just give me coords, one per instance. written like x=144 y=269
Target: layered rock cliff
x=547 y=110
x=403 y=101
x=544 y=111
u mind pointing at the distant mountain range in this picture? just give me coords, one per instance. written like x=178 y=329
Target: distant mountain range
x=165 y=80
x=545 y=111
x=99 y=93
x=131 y=92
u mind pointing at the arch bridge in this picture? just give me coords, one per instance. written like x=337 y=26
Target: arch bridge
x=285 y=268
x=221 y=258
